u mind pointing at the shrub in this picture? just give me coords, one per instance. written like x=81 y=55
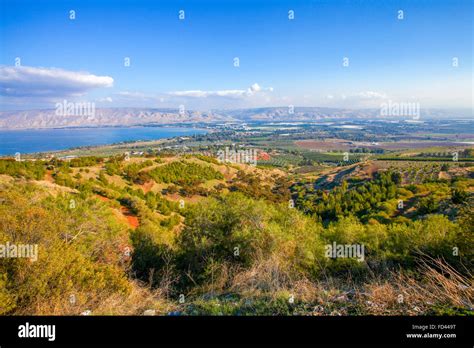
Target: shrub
x=240 y=231
x=184 y=172
x=79 y=252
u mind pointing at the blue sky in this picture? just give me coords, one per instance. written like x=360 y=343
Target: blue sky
x=191 y=61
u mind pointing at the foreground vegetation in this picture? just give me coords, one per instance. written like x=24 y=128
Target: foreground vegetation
x=187 y=235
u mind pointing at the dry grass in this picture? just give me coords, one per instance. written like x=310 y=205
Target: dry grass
x=270 y=275
x=438 y=286
x=134 y=302
x=138 y=301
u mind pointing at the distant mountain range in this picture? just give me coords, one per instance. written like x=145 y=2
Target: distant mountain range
x=99 y=117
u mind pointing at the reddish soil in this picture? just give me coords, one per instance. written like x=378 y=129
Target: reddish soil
x=48 y=177
x=132 y=219
x=146 y=187
x=263 y=156
x=125 y=212
x=369 y=169
x=102 y=198
x=444 y=175
x=341 y=144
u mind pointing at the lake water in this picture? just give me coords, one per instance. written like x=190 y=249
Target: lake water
x=43 y=140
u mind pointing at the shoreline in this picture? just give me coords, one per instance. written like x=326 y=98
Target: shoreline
x=92 y=147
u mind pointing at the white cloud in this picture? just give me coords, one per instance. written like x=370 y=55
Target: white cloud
x=137 y=98
x=228 y=93
x=205 y=94
x=255 y=88
x=25 y=81
x=133 y=95
x=371 y=95
x=255 y=95
x=362 y=99
x=105 y=100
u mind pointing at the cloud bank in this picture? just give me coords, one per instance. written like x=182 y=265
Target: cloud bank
x=39 y=82
x=230 y=93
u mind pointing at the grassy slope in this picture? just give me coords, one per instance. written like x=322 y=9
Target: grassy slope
x=262 y=287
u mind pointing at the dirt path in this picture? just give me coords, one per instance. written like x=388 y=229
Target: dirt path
x=131 y=218
x=146 y=187
x=124 y=213
x=48 y=176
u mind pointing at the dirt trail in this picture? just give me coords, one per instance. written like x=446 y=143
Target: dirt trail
x=146 y=187
x=131 y=218
x=48 y=176
x=124 y=212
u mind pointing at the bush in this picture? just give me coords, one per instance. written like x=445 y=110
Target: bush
x=239 y=231
x=428 y=205
x=79 y=253
x=27 y=169
x=184 y=173
x=150 y=256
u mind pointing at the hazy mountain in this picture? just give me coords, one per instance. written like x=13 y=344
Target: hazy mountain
x=103 y=117
x=283 y=114
x=141 y=116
